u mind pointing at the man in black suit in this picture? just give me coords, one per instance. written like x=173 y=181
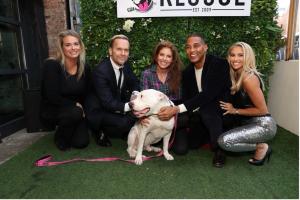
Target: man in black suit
x=205 y=82
x=107 y=108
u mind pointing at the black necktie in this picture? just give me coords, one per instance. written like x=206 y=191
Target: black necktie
x=120 y=78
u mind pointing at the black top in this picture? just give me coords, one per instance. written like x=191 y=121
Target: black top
x=241 y=99
x=59 y=88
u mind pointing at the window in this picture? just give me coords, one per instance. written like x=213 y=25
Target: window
x=11 y=86
x=288 y=20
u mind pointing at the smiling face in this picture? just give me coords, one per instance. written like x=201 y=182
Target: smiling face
x=71 y=47
x=164 y=58
x=236 y=58
x=195 y=50
x=119 y=51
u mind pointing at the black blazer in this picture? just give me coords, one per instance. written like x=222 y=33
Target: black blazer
x=105 y=94
x=215 y=83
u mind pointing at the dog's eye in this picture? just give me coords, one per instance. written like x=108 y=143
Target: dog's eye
x=141 y=96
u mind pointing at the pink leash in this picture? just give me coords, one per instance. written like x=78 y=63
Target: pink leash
x=45 y=161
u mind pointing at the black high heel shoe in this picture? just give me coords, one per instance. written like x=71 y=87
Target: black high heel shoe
x=256 y=162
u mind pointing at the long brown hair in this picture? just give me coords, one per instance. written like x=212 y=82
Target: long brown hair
x=174 y=74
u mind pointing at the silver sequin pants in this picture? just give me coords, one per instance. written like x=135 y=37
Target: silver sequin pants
x=244 y=138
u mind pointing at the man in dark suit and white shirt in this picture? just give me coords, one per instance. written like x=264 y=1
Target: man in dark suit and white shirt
x=107 y=108
x=205 y=82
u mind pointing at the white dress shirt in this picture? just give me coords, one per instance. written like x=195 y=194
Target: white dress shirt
x=116 y=68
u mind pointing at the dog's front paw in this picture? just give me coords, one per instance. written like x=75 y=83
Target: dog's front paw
x=168 y=156
x=138 y=160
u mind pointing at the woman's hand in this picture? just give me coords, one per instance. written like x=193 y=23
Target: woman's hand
x=80 y=106
x=228 y=108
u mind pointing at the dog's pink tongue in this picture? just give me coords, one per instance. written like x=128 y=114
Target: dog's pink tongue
x=141 y=112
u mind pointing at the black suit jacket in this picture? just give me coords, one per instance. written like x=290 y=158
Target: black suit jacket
x=105 y=94
x=215 y=83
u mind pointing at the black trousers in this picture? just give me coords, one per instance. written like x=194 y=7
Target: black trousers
x=200 y=128
x=205 y=127
x=71 y=125
x=180 y=144
x=112 y=124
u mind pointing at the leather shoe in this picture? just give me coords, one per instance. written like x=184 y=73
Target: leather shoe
x=102 y=140
x=219 y=159
x=61 y=144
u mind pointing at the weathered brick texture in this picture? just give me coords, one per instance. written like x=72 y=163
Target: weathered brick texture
x=55 y=18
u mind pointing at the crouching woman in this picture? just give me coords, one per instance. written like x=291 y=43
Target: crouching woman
x=255 y=126
x=64 y=85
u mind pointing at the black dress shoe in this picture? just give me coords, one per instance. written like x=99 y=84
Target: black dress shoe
x=61 y=145
x=102 y=140
x=219 y=159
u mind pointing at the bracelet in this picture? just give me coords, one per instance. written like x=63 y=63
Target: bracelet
x=236 y=111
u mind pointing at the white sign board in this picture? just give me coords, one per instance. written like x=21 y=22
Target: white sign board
x=182 y=8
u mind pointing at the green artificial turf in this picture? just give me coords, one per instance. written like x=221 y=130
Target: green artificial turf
x=190 y=176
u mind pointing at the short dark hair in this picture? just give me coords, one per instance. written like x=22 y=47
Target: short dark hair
x=197 y=35
x=112 y=40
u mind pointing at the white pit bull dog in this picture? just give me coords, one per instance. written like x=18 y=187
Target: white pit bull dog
x=147 y=103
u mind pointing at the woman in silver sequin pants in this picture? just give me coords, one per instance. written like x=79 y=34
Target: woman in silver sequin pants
x=248 y=102
x=245 y=138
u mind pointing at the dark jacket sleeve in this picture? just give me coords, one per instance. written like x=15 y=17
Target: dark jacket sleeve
x=51 y=86
x=216 y=85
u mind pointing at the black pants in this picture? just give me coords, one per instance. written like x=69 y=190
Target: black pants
x=180 y=144
x=200 y=128
x=112 y=124
x=71 y=126
x=205 y=127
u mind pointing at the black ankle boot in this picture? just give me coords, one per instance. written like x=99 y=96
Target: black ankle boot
x=61 y=144
x=101 y=139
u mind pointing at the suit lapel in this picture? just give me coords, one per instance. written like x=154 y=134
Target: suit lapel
x=205 y=71
x=112 y=75
x=192 y=83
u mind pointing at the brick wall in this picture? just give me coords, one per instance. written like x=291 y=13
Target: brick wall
x=55 y=18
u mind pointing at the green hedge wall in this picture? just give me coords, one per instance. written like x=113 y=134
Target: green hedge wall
x=260 y=30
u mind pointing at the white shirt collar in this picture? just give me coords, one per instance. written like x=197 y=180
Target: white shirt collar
x=115 y=65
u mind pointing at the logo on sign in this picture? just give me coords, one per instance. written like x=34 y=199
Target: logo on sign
x=141 y=6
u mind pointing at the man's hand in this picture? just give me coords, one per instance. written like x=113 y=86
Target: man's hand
x=167 y=112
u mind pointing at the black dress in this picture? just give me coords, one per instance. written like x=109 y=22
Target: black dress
x=60 y=92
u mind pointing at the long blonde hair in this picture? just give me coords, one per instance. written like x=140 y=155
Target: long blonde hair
x=61 y=56
x=249 y=66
